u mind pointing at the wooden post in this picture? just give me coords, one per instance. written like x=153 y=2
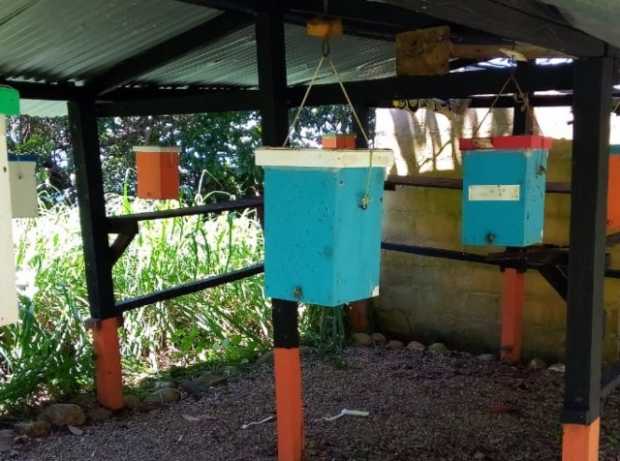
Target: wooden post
x=287 y=370
x=108 y=373
x=586 y=269
x=274 y=124
x=513 y=296
x=97 y=254
x=513 y=287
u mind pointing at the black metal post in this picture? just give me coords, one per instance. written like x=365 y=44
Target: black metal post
x=285 y=319
x=271 y=59
x=586 y=269
x=523 y=122
x=363 y=112
x=97 y=254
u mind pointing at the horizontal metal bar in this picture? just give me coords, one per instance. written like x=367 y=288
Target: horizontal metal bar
x=188 y=288
x=437 y=253
x=470 y=257
x=121 y=221
x=179 y=102
x=456 y=183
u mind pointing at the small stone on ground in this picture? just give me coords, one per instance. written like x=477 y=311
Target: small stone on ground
x=162 y=396
x=64 y=414
x=537 y=364
x=33 y=428
x=395 y=345
x=361 y=339
x=378 y=339
x=438 y=348
x=486 y=357
x=416 y=346
x=558 y=368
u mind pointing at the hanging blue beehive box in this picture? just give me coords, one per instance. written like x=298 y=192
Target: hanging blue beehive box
x=504 y=182
x=322 y=246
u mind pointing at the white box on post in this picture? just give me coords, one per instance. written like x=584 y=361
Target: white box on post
x=9 y=105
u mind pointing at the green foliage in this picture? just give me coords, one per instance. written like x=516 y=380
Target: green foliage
x=50 y=351
x=324 y=328
x=220 y=144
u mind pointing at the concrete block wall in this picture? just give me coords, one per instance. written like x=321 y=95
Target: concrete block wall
x=457 y=302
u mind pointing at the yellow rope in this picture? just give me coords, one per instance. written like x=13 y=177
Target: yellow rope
x=325 y=50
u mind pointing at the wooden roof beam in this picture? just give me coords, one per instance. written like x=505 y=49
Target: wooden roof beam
x=514 y=21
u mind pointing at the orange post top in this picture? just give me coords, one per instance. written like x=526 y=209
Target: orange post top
x=158 y=172
x=338 y=141
x=581 y=442
x=506 y=142
x=613 y=193
x=324 y=27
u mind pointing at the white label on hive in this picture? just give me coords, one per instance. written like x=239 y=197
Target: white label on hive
x=495 y=192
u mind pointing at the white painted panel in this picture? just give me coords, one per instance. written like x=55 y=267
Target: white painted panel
x=494 y=192
x=24 y=201
x=8 y=299
x=323 y=158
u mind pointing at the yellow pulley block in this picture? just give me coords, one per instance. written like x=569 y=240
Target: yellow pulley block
x=324 y=27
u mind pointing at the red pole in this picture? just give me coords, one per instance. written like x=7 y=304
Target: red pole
x=358 y=316
x=108 y=373
x=513 y=296
x=287 y=371
x=289 y=404
x=581 y=442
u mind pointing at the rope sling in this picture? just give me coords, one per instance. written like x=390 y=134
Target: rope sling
x=325 y=56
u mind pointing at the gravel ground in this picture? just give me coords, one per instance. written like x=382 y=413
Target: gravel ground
x=423 y=406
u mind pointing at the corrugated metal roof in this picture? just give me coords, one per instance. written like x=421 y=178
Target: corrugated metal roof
x=57 y=40
x=39 y=108
x=76 y=39
x=60 y=40
x=232 y=60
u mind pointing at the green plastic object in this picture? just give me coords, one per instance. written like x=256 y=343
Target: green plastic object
x=9 y=101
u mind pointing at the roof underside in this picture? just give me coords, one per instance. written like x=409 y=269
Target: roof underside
x=77 y=40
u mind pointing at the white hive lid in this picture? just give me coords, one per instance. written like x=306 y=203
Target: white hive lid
x=324 y=158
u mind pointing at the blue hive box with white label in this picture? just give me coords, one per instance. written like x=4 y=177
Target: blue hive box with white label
x=504 y=195
x=322 y=246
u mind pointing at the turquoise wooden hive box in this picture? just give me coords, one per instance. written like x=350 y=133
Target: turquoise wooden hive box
x=322 y=238
x=504 y=180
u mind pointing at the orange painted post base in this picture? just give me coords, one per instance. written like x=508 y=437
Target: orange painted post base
x=581 y=442
x=513 y=296
x=358 y=316
x=108 y=373
x=289 y=404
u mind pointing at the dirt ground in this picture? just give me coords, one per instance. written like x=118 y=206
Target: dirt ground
x=422 y=406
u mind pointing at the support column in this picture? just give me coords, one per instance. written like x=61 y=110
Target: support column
x=287 y=369
x=274 y=125
x=271 y=60
x=97 y=255
x=513 y=287
x=584 y=329
x=513 y=296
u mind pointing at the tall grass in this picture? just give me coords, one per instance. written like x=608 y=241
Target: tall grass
x=49 y=351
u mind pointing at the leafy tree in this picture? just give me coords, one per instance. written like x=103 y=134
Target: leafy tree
x=215 y=147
